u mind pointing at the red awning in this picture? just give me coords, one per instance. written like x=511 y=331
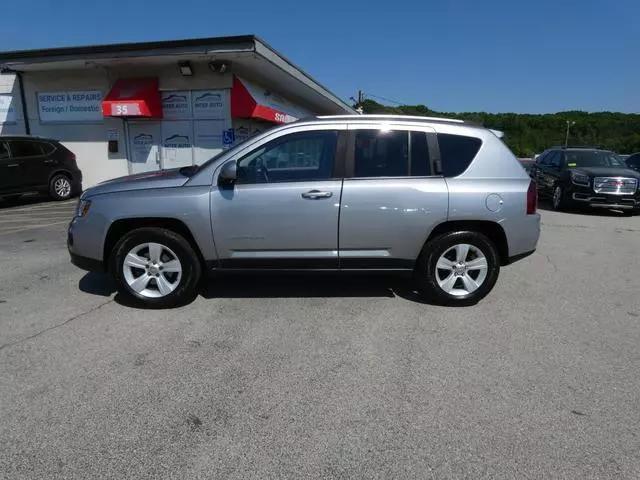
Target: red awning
x=251 y=101
x=133 y=97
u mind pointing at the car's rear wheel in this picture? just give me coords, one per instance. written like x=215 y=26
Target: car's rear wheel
x=559 y=200
x=156 y=267
x=60 y=187
x=458 y=268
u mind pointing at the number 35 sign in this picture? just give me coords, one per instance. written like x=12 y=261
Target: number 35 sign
x=124 y=109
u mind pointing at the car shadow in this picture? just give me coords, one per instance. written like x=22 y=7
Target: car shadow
x=545 y=204
x=278 y=285
x=25 y=200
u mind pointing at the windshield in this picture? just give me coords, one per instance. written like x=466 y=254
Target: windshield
x=593 y=158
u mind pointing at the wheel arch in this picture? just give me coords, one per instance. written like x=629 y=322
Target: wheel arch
x=491 y=230
x=121 y=227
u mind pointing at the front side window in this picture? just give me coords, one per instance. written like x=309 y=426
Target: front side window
x=457 y=152
x=296 y=157
x=24 y=148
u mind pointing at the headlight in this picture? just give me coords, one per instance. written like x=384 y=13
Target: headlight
x=580 y=178
x=83 y=208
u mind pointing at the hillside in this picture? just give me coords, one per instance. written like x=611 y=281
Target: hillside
x=527 y=134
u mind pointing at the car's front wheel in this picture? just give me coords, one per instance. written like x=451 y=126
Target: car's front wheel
x=458 y=268
x=156 y=267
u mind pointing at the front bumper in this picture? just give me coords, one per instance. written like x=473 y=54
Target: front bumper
x=83 y=247
x=586 y=196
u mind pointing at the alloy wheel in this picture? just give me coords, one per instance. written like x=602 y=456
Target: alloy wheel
x=152 y=270
x=461 y=269
x=62 y=187
x=557 y=196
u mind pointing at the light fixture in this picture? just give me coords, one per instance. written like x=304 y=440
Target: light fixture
x=185 y=69
x=219 y=66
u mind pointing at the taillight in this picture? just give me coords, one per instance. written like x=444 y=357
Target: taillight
x=532 y=198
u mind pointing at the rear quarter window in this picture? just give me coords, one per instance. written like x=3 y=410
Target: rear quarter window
x=457 y=152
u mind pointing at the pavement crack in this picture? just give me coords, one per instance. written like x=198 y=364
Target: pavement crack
x=67 y=321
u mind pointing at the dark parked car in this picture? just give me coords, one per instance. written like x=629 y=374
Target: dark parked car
x=633 y=161
x=589 y=177
x=30 y=164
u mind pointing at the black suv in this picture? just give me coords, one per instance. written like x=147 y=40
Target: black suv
x=29 y=164
x=590 y=177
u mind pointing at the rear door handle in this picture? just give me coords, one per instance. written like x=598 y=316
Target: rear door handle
x=13 y=165
x=315 y=194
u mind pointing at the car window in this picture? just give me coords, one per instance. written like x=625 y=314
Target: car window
x=4 y=151
x=542 y=158
x=24 y=148
x=457 y=152
x=46 y=147
x=291 y=158
x=556 y=160
x=381 y=153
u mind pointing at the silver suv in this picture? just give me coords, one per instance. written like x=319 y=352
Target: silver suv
x=441 y=198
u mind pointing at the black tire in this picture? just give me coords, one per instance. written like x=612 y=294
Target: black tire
x=60 y=187
x=186 y=289
x=426 y=271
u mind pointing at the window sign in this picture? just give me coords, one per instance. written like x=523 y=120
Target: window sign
x=176 y=105
x=177 y=144
x=7 y=109
x=213 y=104
x=71 y=107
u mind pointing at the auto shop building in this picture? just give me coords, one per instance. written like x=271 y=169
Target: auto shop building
x=129 y=108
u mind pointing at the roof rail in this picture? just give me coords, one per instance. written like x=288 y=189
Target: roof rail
x=389 y=117
x=593 y=147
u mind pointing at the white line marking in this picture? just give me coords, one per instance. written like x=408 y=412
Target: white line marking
x=31 y=228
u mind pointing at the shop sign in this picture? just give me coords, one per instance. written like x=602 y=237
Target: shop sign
x=211 y=104
x=7 y=109
x=176 y=105
x=71 y=106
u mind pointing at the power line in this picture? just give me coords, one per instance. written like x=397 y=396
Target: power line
x=385 y=99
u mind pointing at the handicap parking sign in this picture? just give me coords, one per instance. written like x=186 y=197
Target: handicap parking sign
x=228 y=137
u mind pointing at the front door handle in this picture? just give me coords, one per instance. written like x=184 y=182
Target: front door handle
x=13 y=165
x=315 y=194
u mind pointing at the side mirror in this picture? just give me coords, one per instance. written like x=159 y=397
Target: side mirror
x=228 y=174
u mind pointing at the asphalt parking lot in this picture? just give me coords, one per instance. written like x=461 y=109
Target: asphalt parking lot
x=323 y=377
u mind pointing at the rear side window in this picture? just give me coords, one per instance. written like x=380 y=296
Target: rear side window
x=47 y=148
x=457 y=152
x=24 y=148
x=398 y=153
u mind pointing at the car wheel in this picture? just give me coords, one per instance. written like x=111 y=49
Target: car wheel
x=558 y=199
x=458 y=268
x=156 y=267
x=60 y=187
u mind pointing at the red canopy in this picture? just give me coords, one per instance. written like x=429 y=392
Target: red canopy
x=250 y=101
x=133 y=97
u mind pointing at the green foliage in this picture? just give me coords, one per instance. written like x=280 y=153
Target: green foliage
x=528 y=134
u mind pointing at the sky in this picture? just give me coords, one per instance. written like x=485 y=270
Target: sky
x=525 y=56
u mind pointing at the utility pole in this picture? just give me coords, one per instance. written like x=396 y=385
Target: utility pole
x=359 y=101
x=566 y=139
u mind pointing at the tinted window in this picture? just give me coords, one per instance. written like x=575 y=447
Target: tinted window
x=24 y=148
x=291 y=158
x=457 y=152
x=542 y=158
x=47 y=148
x=420 y=161
x=593 y=158
x=381 y=153
x=4 y=151
x=556 y=160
